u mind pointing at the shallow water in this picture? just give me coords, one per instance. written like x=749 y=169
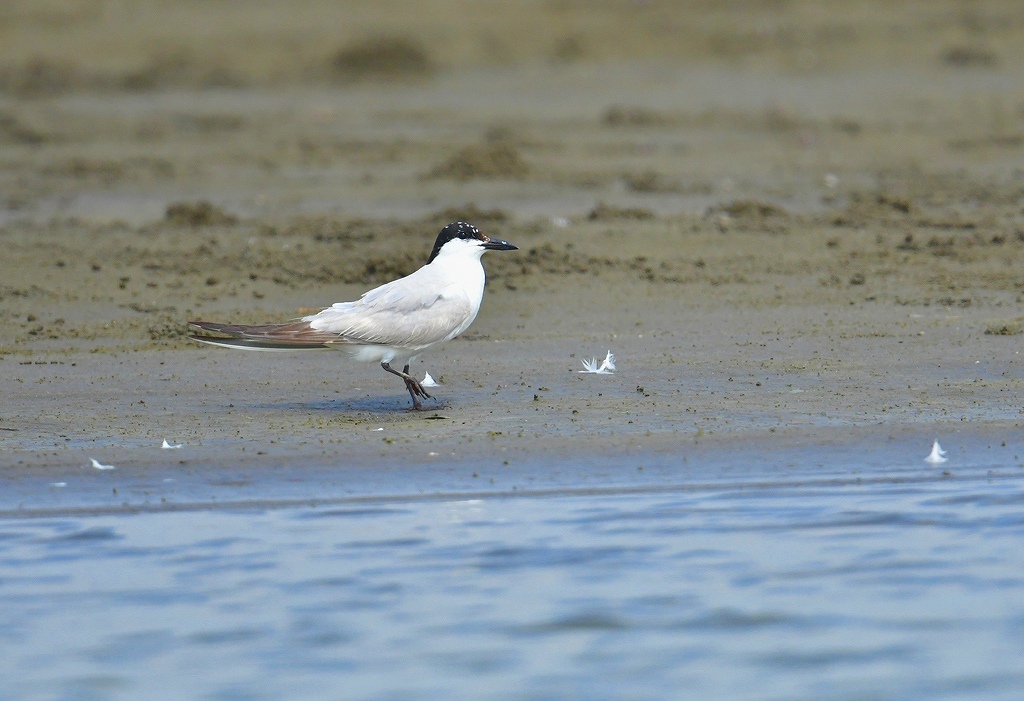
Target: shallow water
x=803 y=590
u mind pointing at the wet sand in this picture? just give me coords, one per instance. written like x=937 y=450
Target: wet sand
x=790 y=229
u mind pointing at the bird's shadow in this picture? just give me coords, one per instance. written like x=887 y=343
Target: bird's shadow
x=390 y=405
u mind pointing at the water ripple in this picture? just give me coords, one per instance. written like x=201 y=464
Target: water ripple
x=881 y=590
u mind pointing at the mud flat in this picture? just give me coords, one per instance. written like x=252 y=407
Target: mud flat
x=788 y=228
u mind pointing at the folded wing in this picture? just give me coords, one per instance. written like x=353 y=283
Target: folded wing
x=398 y=315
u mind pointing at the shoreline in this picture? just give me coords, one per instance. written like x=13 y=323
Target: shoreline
x=203 y=477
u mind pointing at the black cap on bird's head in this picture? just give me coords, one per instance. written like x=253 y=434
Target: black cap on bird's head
x=468 y=232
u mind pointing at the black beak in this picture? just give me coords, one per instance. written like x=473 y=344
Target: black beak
x=499 y=245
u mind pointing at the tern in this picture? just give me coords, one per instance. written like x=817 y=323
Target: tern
x=393 y=323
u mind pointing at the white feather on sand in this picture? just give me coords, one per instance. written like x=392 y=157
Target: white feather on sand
x=591 y=367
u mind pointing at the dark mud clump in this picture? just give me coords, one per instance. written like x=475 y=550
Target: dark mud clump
x=468 y=213
x=752 y=215
x=38 y=77
x=45 y=76
x=607 y=212
x=545 y=259
x=107 y=172
x=488 y=161
x=166 y=329
x=388 y=57
x=1010 y=327
x=649 y=181
x=969 y=57
x=13 y=131
x=880 y=207
x=178 y=69
x=622 y=116
x=196 y=214
x=653 y=182
x=753 y=210
x=328 y=229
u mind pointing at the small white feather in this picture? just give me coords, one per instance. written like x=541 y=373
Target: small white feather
x=606 y=367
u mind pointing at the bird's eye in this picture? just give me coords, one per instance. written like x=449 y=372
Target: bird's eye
x=469 y=232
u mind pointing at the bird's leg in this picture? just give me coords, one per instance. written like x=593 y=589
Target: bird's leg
x=411 y=383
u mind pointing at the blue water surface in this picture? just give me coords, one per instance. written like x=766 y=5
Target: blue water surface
x=874 y=590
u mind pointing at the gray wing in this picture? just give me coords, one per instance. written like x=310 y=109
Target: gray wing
x=410 y=312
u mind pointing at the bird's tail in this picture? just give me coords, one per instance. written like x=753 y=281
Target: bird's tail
x=294 y=336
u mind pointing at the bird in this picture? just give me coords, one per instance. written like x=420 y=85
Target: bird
x=390 y=324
